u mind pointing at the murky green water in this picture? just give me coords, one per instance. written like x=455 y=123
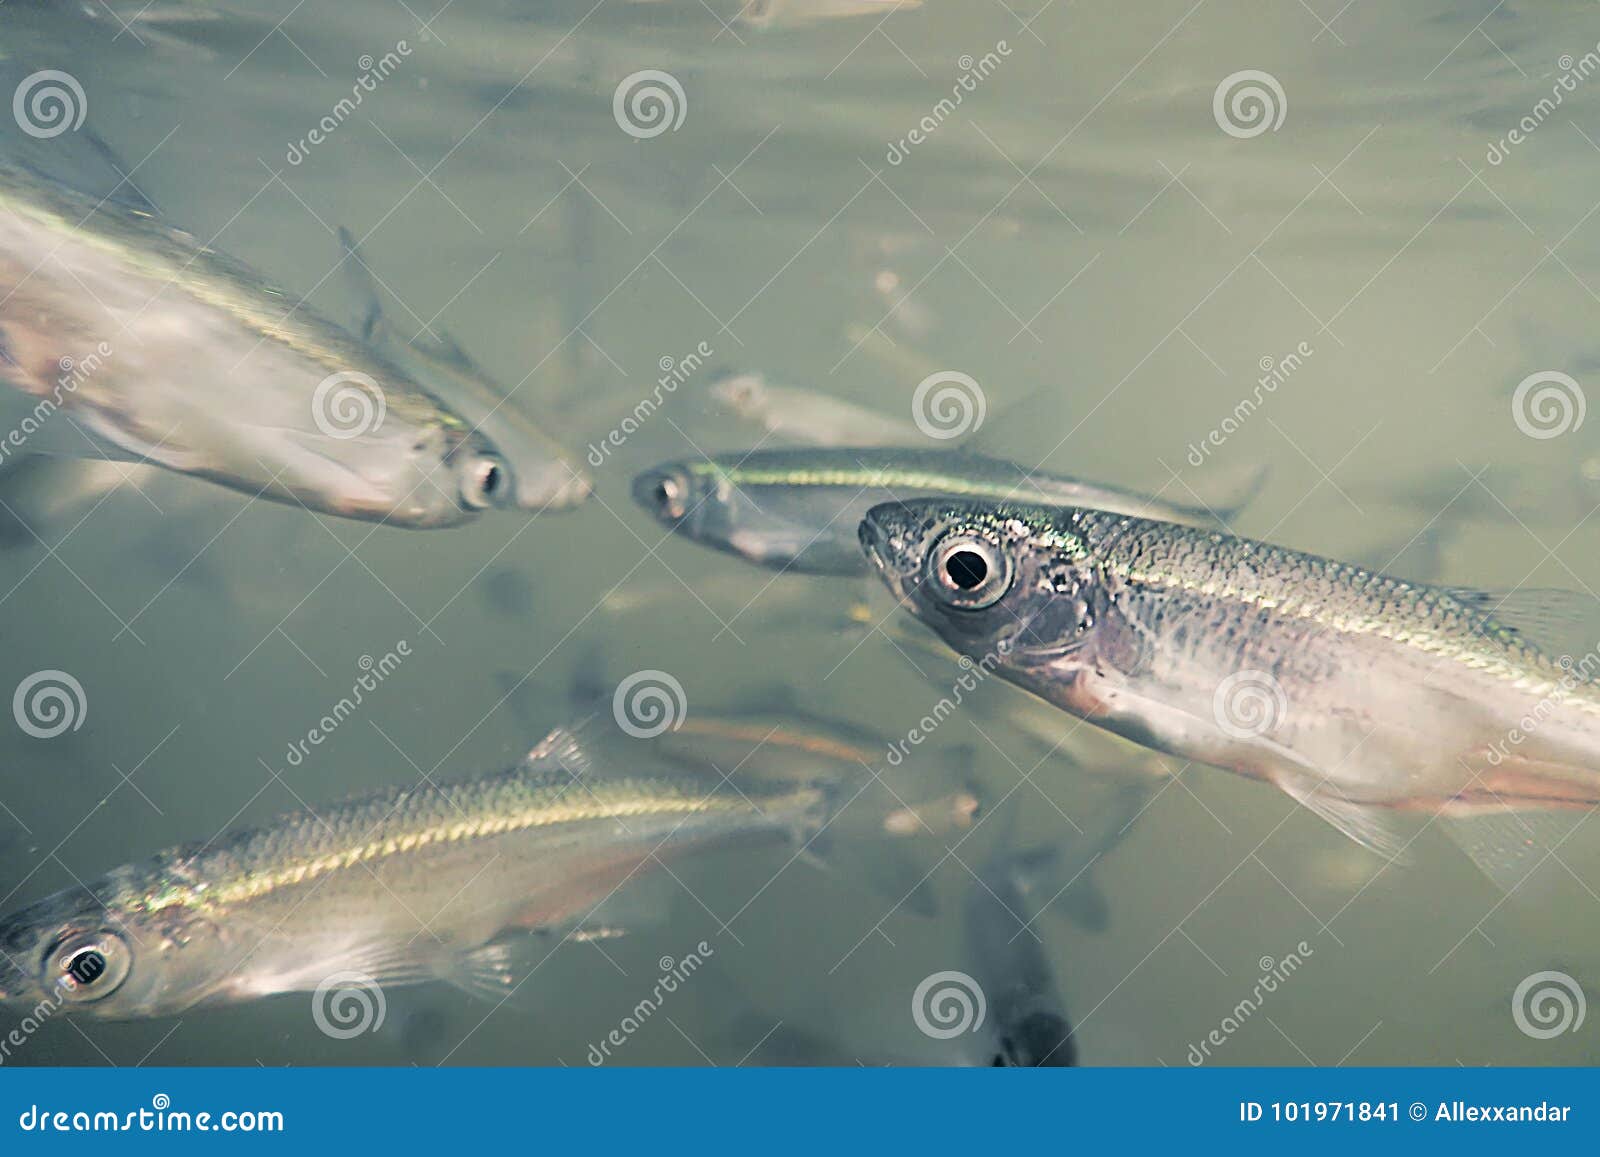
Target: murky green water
x=1081 y=234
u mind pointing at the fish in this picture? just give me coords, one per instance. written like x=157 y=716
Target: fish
x=410 y=884
x=798 y=510
x=1022 y=1022
x=1064 y=872
x=123 y=337
x=1360 y=695
x=769 y=731
x=794 y=13
x=1029 y=1026
x=809 y=417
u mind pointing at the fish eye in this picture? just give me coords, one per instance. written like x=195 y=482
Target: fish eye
x=668 y=495
x=484 y=482
x=89 y=966
x=970 y=571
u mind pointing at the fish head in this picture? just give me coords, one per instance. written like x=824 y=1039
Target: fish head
x=443 y=478
x=412 y=469
x=89 y=953
x=803 y=529
x=512 y=465
x=375 y=445
x=1014 y=584
x=668 y=493
x=1040 y=1039
x=697 y=500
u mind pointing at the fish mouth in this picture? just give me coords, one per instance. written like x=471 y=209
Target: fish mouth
x=664 y=492
x=877 y=537
x=560 y=487
x=872 y=540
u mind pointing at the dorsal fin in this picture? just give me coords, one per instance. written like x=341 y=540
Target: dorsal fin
x=370 y=321
x=561 y=748
x=50 y=139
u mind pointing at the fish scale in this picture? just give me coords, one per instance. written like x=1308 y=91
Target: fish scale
x=405 y=884
x=1353 y=691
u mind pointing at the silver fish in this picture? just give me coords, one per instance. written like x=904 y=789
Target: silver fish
x=791 y=13
x=810 y=418
x=403 y=886
x=1356 y=693
x=799 y=509
x=126 y=338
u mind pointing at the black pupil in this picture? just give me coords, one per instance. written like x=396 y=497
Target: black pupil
x=491 y=479
x=966 y=568
x=665 y=493
x=87 y=967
